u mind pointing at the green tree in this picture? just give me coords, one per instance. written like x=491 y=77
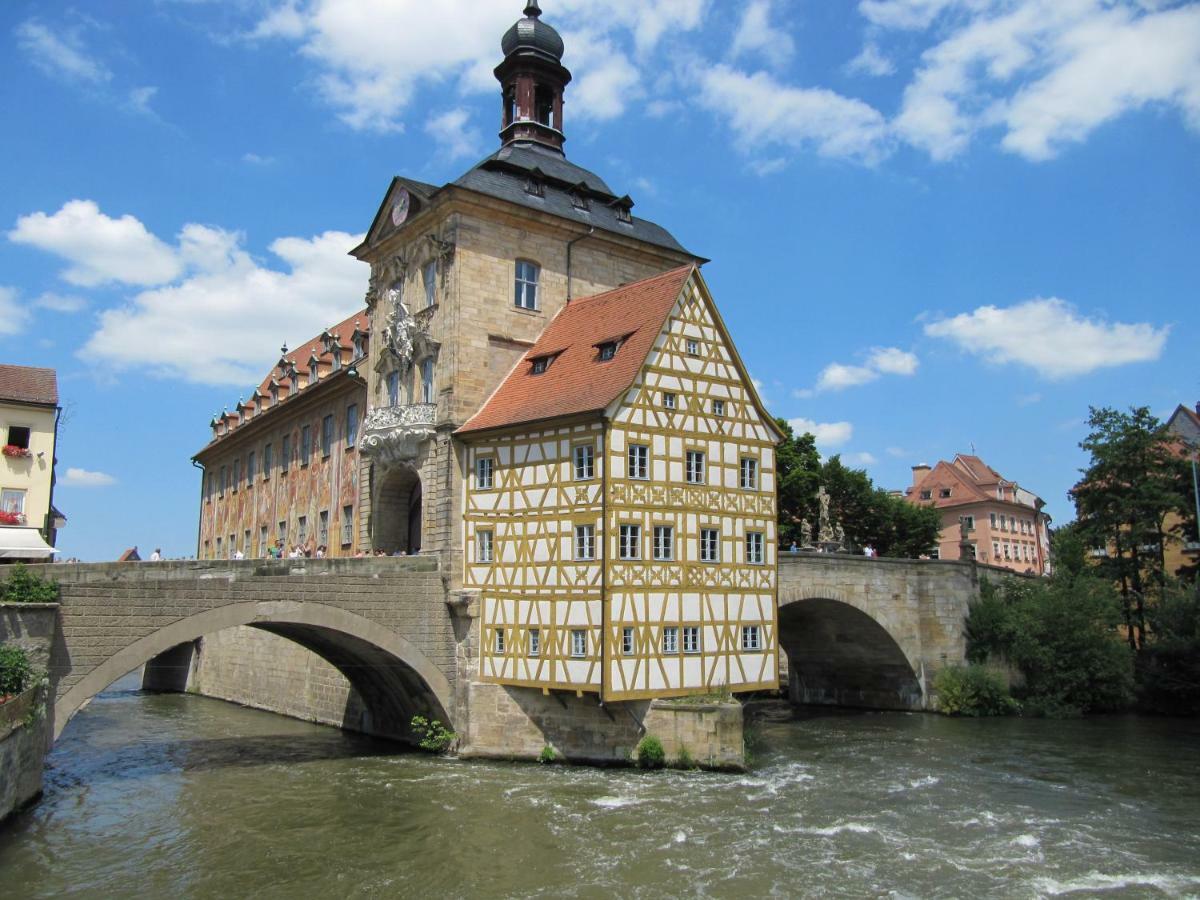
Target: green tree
x=868 y=514
x=1135 y=479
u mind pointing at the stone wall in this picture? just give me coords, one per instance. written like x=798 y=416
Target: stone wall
x=258 y=669
x=518 y=723
x=23 y=721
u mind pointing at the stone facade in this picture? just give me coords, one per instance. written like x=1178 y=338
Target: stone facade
x=24 y=722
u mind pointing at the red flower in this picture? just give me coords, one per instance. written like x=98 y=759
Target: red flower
x=11 y=518
x=15 y=451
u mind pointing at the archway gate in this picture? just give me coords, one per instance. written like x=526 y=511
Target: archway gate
x=382 y=622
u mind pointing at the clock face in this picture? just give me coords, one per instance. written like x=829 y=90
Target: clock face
x=400 y=207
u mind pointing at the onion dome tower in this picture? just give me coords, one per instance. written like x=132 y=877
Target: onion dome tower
x=532 y=78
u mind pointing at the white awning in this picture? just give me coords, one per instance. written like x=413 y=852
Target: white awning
x=23 y=543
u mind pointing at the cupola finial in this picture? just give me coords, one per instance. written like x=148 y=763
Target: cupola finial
x=532 y=9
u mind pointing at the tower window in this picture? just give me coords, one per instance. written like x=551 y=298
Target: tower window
x=543 y=105
x=527 y=284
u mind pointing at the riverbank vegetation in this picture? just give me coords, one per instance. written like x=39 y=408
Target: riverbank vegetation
x=16 y=672
x=23 y=586
x=869 y=516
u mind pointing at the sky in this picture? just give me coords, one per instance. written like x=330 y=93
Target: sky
x=935 y=226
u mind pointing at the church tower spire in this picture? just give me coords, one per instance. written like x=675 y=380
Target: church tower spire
x=532 y=79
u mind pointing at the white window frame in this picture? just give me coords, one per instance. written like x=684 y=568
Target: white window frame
x=718 y=408
x=526 y=278
x=584 y=462
x=498 y=645
x=629 y=542
x=578 y=643
x=585 y=542
x=748 y=467
x=535 y=642
x=692 y=347
x=627 y=641
x=670 y=639
x=691 y=639
x=485 y=468
x=429 y=276
x=485 y=546
x=664 y=543
x=638 y=462
x=751 y=638
x=755 y=548
x=670 y=400
x=710 y=545
x=12 y=500
x=694 y=467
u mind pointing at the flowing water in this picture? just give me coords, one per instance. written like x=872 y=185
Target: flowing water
x=178 y=796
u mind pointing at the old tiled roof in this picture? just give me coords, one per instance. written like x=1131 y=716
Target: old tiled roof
x=26 y=384
x=577 y=381
x=970 y=479
x=505 y=174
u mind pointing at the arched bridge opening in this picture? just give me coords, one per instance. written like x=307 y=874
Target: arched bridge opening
x=394 y=679
x=840 y=656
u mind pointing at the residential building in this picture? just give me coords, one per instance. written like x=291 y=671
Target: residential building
x=620 y=504
x=29 y=415
x=283 y=467
x=1005 y=524
x=1184 y=554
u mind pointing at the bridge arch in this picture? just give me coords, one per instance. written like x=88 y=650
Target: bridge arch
x=393 y=677
x=840 y=654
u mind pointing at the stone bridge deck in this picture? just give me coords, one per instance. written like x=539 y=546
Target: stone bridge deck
x=383 y=622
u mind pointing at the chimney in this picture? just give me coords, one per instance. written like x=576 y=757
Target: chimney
x=919 y=471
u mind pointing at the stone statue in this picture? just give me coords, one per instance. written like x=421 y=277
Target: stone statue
x=805 y=533
x=824 y=528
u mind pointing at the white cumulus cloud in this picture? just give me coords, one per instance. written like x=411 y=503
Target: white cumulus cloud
x=100 y=249
x=62 y=303
x=1050 y=337
x=14 y=315
x=757 y=34
x=60 y=52
x=879 y=361
x=86 y=478
x=827 y=434
x=453 y=133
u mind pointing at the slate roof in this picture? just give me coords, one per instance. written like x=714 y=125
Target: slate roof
x=26 y=384
x=505 y=174
x=577 y=381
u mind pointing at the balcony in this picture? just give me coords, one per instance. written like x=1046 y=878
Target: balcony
x=394 y=434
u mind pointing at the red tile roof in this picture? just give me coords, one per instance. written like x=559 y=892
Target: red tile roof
x=577 y=381
x=26 y=384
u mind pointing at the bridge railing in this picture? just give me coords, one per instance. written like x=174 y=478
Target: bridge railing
x=191 y=569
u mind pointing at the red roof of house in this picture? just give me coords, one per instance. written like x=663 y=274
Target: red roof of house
x=577 y=380
x=26 y=384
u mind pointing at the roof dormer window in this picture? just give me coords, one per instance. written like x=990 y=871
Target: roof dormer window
x=579 y=199
x=623 y=208
x=541 y=363
x=535 y=184
x=313 y=375
x=607 y=350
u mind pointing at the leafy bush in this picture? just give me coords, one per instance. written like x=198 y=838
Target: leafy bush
x=1168 y=666
x=1061 y=633
x=434 y=736
x=972 y=691
x=650 y=753
x=548 y=755
x=23 y=586
x=684 y=760
x=16 y=671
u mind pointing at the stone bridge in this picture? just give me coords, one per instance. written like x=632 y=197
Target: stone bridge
x=383 y=623
x=872 y=632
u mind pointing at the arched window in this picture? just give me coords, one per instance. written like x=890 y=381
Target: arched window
x=510 y=104
x=528 y=274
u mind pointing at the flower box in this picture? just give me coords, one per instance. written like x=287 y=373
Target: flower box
x=11 y=518
x=12 y=450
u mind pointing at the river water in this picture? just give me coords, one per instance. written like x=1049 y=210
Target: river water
x=179 y=796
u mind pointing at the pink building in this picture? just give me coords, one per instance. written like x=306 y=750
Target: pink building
x=1005 y=523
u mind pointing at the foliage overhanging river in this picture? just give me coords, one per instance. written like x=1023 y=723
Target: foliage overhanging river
x=169 y=795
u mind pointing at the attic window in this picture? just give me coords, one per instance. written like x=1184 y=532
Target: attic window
x=579 y=200
x=607 y=350
x=535 y=187
x=944 y=493
x=357 y=340
x=623 y=208
x=926 y=495
x=542 y=363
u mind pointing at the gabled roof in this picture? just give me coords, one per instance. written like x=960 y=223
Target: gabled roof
x=577 y=381
x=26 y=384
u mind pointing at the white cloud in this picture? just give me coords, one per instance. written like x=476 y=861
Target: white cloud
x=454 y=136
x=140 y=97
x=1050 y=337
x=893 y=361
x=1047 y=72
x=609 y=79
x=255 y=159
x=63 y=303
x=897 y=452
x=871 y=61
x=219 y=321
x=372 y=56
x=763 y=111
x=904 y=14
x=880 y=361
x=100 y=249
x=756 y=34
x=827 y=434
x=59 y=52
x=861 y=459
x=14 y=315
x=86 y=479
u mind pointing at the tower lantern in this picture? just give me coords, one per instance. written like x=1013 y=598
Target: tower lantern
x=532 y=78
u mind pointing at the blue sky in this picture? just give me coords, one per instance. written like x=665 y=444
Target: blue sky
x=933 y=224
